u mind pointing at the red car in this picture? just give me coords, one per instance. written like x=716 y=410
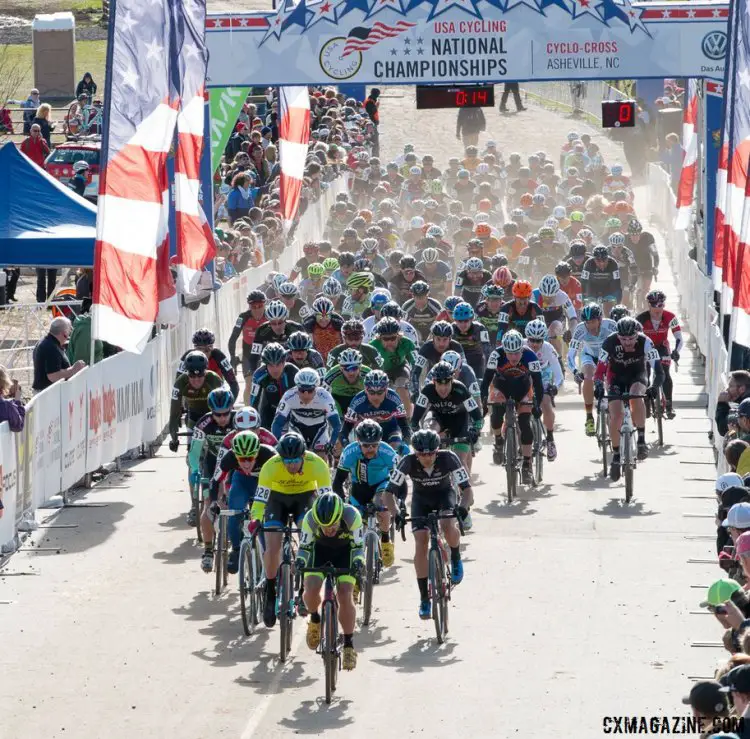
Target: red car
x=60 y=162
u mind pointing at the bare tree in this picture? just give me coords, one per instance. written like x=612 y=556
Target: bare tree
x=12 y=74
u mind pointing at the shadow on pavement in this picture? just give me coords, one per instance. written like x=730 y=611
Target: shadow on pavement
x=592 y=482
x=663 y=451
x=369 y=637
x=313 y=717
x=504 y=510
x=184 y=552
x=269 y=674
x=617 y=508
x=421 y=655
x=178 y=522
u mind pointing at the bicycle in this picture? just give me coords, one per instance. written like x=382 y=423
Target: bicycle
x=538 y=449
x=439 y=577
x=512 y=447
x=628 y=442
x=221 y=547
x=252 y=576
x=195 y=491
x=330 y=640
x=602 y=431
x=373 y=558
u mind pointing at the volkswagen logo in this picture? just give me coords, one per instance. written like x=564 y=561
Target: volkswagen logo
x=714 y=45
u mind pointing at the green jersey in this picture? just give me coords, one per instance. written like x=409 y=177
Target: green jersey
x=195 y=399
x=342 y=390
x=369 y=354
x=404 y=354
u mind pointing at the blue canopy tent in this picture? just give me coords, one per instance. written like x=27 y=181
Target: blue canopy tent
x=42 y=222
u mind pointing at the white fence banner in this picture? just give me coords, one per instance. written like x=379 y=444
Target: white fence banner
x=8 y=485
x=45 y=444
x=73 y=416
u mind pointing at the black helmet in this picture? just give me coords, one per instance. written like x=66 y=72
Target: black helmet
x=425 y=440
x=391 y=310
x=562 y=269
x=591 y=311
x=577 y=249
x=600 y=252
x=273 y=353
x=327 y=509
x=498 y=260
x=196 y=364
x=628 y=326
x=352 y=327
x=368 y=431
x=256 y=296
x=442 y=328
x=291 y=446
x=618 y=312
x=419 y=287
x=299 y=341
x=387 y=327
x=635 y=227
x=407 y=262
x=442 y=372
x=346 y=259
x=656 y=298
x=203 y=337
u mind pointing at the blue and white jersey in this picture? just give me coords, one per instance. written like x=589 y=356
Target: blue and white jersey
x=374 y=472
x=587 y=343
x=549 y=361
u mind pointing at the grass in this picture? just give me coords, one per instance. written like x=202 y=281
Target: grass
x=29 y=8
x=91 y=56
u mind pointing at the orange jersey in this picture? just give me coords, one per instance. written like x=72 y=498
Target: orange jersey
x=512 y=247
x=574 y=292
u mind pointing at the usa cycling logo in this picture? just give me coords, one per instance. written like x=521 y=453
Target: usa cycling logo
x=714 y=45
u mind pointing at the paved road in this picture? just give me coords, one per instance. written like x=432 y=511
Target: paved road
x=574 y=607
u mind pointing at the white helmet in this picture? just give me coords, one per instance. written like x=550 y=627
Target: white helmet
x=474 y=263
x=416 y=222
x=616 y=239
x=430 y=255
x=559 y=212
x=80 y=166
x=549 y=286
x=246 y=418
x=481 y=218
x=483 y=168
x=537 y=329
x=512 y=341
x=435 y=232
x=453 y=359
x=307 y=377
x=276 y=310
x=287 y=289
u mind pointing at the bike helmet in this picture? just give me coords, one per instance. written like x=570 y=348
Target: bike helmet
x=612 y=223
x=512 y=341
x=537 y=329
x=407 y=262
x=195 y=364
x=463 y=312
x=549 y=286
x=274 y=353
x=616 y=239
x=546 y=233
x=562 y=269
x=416 y=222
x=473 y=264
x=327 y=510
x=276 y=311
x=288 y=290
x=616 y=170
x=628 y=326
x=586 y=234
x=311 y=246
x=442 y=372
x=246 y=418
x=292 y=446
x=379 y=298
x=316 y=269
x=618 y=312
x=419 y=288
x=482 y=231
x=474 y=245
x=346 y=259
x=442 y=328
x=360 y=280
x=552 y=222
x=307 y=379
x=559 y=212
x=330 y=264
x=451 y=302
x=363 y=264
x=502 y=276
x=322 y=306
x=256 y=296
x=350 y=358
x=522 y=289
x=80 y=166
x=387 y=327
x=493 y=291
x=526 y=200
x=577 y=217
x=391 y=310
x=299 y=341
x=332 y=288
x=245 y=444
x=453 y=359
x=368 y=431
x=538 y=199
x=656 y=299
x=352 y=328
x=542 y=190
x=576 y=201
x=600 y=252
x=434 y=231
x=376 y=380
x=429 y=256
x=220 y=400
x=203 y=337
x=577 y=249
x=425 y=441
x=635 y=227
x=591 y=311
x=369 y=245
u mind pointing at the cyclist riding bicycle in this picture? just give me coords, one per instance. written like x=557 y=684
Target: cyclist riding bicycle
x=571 y=285
x=430 y=353
x=399 y=355
x=516 y=313
x=352 y=335
x=641 y=244
x=627 y=264
x=248 y=323
x=472 y=336
x=301 y=354
x=600 y=279
x=470 y=279
x=421 y=310
x=270 y=381
x=288 y=294
x=557 y=309
x=346 y=379
x=488 y=310
x=203 y=341
x=278 y=329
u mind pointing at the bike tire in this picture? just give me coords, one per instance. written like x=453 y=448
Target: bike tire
x=627 y=464
x=510 y=462
x=436 y=584
x=285 y=621
x=330 y=657
x=219 y=560
x=258 y=594
x=659 y=415
x=538 y=452
x=247 y=589
x=604 y=441
x=195 y=498
x=369 y=584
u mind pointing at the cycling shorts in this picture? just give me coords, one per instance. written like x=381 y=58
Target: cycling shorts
x=666 y=356
x=315 y=437
x=363 y=493
x=280 y=507
x=399 y=376
x=334 y=553
x=441 y=501
x=620 y=384
x=455 y=427
x=518 y=388
x=587 y=359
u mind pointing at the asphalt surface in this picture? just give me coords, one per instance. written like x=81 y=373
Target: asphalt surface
x=574 y=607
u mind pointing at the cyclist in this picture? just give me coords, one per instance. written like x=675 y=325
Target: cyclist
x=243 y=459
x=323 y=326
x=587 y=341
x=577 y=256
x=287 y=485
x=399 y=355
x=552 y=377
x=382 y=404
x=516 y=313
x=421 y=310
x=391 y=310
x=301 y=354
x=245 y=419
x=203 y=341
x=378 y=298
x=453 y=408
x=461 y=372
x=278 y=329
x=641 y=244
x=289 y=296
x=359 y=285
x=570 y=285
x=488 y=310
x=627 y=264
x=431 y=352
x=623 y=358
x=404 y=278
x=435 y=474
x=437 y=271
x=352 y=334
x=556 y=307
x=248 y=322
x=270 y=381
x=513 y=371
x=656 y=324
x=311 y=255
x=618 y=312
x=472 y=336
x=346 y=379
x=470 y=279
x=600 y=279
x=346 y=262
x=369 y=461
x=334 y=292
x=313 y=285
x=332 y=533
x=308 y=409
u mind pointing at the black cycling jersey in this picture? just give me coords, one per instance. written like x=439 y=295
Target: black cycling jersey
x=219 y=363
x=399 y=285
x=211 y=434
x=535 y=261
x=444 y=473
x=313 y=360
x=265 y=335
x=576 y=269
x=628 y=364
x=454 y=410
x=510 y=318
x=476 y=345
x=422 y=318
x=645 y=253
x=628 y=267
x=426 y=357
x=599 y=282
x=470 y=288
x=299 y=310
x=489 y=320
x=267 y=392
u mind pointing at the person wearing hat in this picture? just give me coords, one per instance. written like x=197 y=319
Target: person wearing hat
x=265 y=136
x=79 y=181
x=737 y=520
x=737 y=682
x=708 y=702
x=729 y=492
x=29 y=106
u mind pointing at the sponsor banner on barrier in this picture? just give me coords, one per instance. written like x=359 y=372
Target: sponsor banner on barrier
x=8 y=482
x=44 y=463
x=157 y=383
x=73 y=415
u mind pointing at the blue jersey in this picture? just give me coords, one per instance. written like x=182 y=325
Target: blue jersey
x=374 y=472
x=390 y=414
x=587 y=344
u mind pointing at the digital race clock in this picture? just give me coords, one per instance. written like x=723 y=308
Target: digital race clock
x=618 y=113
x=455 y=96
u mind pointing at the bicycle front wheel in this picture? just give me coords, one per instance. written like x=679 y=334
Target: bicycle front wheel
x=371 y=545
x=603 y=439
x=285 y=619
x=659 y=415
x=439 y=606
x=330 y=655
x=247 y=588
x=510 y=461
x=220 y=554
x=627 y=464
x=538 y=452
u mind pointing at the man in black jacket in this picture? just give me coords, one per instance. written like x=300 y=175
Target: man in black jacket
x=737 y=390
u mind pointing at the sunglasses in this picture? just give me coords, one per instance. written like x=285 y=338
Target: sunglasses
x=280 y=322
x=350 y=367
x=368 y=445
x=222 y=415
x=291 y=460
x=306 y=389
x=535 y=341
x=388 y=338
x=442 y=382
x=375 y=392
x=246 y=459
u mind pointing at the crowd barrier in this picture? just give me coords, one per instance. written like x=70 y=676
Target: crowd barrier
x=122 y=403
x=563 y=95
x=696 y=294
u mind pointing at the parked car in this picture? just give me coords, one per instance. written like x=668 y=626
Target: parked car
x=60 y=162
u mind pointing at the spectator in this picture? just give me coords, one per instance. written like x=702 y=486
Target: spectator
x=11 y=406
x=79 y=345
x=737 y=683
x=35 y=147
x=84 y=284
x=738 y=388
x=733 y=451
x=14 y=274
x=51 y=363
x=508 y=89
x=707 y=701
x=372 y=108
x=671 y=158
x=29 y=106
x=86 y=87
x=6 y=122
x=43 y=114
x=469 y=124
x=240 y=199
x=260 y=163
x=46 y=279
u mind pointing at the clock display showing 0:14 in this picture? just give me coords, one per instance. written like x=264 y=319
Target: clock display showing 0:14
x=465 y=96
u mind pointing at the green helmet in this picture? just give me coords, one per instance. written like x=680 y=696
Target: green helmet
x=316 y=269
x=327 y=509
x=613 y=223
x=331 y=264
x=576 y=215
x=245 y=444
x=546 y=233
x=360 y=279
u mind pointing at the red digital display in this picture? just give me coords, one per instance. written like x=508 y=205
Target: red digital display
x=454 y=96
x=618 y=113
